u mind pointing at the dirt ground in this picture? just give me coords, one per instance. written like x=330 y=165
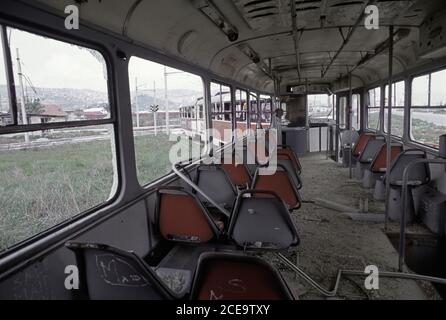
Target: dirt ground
x=331 y=241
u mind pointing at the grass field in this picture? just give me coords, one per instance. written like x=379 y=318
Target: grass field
x=42 y=187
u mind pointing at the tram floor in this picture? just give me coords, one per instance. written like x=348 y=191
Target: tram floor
x=330 y=240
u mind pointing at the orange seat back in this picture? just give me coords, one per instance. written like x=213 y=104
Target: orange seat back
x=287 y=153
x=238 y=278
x=362 y=142
x=379 y=164
x=281 y=184
x=238 y=173
x=182 y=218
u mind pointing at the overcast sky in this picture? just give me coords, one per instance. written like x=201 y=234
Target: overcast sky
x=53 y=64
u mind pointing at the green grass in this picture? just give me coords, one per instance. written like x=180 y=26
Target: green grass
x=152 y=157
x=42 y=187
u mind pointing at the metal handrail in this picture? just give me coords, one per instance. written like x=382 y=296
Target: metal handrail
x=197 y=188
x=402 y=244
x=333 y=292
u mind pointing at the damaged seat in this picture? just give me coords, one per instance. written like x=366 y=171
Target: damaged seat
x=366 y=158
x=181 y=217
x=280 y=182
x=419 y=175
x=261 y=221
x=373 y=176
x=217 y=184
x=224 y=276
x=367 y=155
x=108 y=273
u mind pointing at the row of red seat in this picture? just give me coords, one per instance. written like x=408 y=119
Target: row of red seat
x=259 y=220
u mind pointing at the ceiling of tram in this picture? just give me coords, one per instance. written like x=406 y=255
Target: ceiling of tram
x=269 y=40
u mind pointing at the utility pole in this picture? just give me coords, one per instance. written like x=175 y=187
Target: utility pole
x=22 y=94
x=167 y=100
x=136 y=102
x=154 y=102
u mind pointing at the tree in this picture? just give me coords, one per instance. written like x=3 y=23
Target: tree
x=33 y=107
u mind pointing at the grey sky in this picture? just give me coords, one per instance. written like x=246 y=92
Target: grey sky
x=53 y=64
x=50 y=63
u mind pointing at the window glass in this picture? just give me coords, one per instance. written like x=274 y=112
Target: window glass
x=420 y=91
x=241 y=109
x=48 y=176
x=438 y=92
x=5 y=109
x=428 y=112
x=373 y=108
x=253 y=109
x=398 y=97
x=356 y=115
x=343 y=112
x=320 y=106
x=57 y=81
x=53 y=177
x=428 y=125
x=265 y=111
x=168 y=123
x=221 y=113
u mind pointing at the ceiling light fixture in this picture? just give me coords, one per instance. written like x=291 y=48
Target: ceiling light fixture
x=208 y=8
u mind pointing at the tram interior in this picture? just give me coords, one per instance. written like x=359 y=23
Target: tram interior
x=125 y=142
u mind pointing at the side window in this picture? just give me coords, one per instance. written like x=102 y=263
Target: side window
x=221 y=113
x=428 y=108
x=241 y=110
x=265 y=111
x=373 y=108
x=320 y=106
x=343 y=112
x=356 y=114
x=51 y=172
x=5 y=103
x=169 y=122
x=254 y=110
x=398 y=94
x=47 y=81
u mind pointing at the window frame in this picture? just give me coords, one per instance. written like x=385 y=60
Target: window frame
x=368 y=107
x=394 y=106
x=223 y=113
x=269 y=114
x=17 y=128
x=188 y=112
x=241 y=112
x=20 y=128
x=429 y=106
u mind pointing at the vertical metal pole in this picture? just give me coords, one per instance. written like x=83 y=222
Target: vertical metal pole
x=136 y=102
x=166 y=97
x=389 y=127
x=233 y=113
x=350 y=109
x=154 y=113
x=10 y=76
x=22 y=94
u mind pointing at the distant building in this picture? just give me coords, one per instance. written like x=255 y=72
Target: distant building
x=95 y=113
x=48 y=113
x=5 y=119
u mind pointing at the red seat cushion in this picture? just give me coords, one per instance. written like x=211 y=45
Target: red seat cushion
x=181 y=217
x=234 y=280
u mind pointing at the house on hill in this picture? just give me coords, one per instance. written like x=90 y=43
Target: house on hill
x=48 y=113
